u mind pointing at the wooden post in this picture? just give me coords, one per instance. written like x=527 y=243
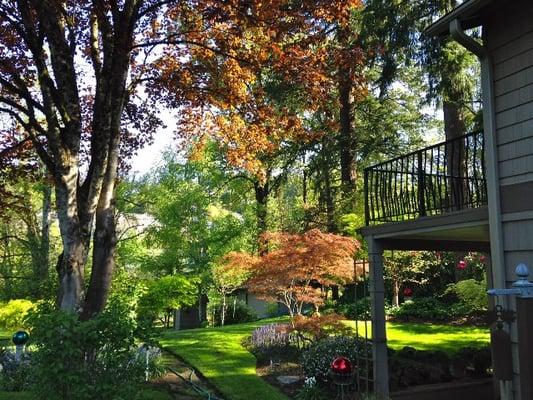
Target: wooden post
x=524 y=310
x=379 y=334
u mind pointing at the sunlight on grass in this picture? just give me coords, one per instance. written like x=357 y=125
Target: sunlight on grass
x=429 y=336
x=218 y=354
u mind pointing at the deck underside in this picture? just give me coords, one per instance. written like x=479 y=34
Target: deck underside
x=465 y=230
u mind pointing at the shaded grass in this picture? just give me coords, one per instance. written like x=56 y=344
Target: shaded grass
x=218 y=354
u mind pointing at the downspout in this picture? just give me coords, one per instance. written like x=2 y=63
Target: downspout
x=492 y=174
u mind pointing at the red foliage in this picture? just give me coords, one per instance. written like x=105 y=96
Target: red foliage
x=318 y=326
x=297 y=264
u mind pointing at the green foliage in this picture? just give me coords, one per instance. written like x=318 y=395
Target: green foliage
x=200 y=211
x=93 y=360
x=312 y=391
x=16 y=396
x=428 y=309
x=316 y=360
x=166 y=294
x=237 y=312
x=356 y=311
x=151 y=394
x=15 y=375
x=470 y=293
x=13 y=314
x=409 y=366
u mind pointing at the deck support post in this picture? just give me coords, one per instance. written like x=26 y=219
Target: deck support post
x=379 y=335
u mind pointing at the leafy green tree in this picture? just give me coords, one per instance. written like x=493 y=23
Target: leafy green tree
x=164 y=295
x=228 y=276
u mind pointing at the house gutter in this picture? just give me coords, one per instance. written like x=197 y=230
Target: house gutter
x=492 y=173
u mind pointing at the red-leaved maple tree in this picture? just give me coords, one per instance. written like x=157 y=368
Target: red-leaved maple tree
x=297 y=264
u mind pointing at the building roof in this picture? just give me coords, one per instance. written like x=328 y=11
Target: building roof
x=468 y=13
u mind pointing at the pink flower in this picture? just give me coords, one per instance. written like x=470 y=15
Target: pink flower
x=461 y=265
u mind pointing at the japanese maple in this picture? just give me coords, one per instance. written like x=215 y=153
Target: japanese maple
x=297 y=265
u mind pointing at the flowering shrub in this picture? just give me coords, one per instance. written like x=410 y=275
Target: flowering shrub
x=270 y=335
x=311 y=391
x=316 y=360
x=271 y=343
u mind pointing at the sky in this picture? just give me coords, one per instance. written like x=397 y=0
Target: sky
x=150 y=157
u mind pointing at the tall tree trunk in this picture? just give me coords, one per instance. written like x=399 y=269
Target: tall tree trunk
x=346 y=134
x=223 y=311
x=454 y=127
x=395 y=293
x=104 y=239
x=262 y=191
x=76 y=239
x=45 y=233
x=328 y=196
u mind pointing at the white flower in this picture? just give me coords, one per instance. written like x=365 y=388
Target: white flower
x=310 y=381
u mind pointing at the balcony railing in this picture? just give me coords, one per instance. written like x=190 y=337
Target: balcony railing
x=442 y=178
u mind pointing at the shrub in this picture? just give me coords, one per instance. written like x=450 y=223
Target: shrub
x=237 y=313
x=409 y=366
x=316 y=359
x=273 y=310
x=14 y=374
x=356 y=311
x=13 y=314
x=429 y=309
x=317 y=327
x=470 y=293
x=85 y=360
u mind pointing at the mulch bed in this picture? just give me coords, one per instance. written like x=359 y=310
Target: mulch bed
x=270 y=373
x=178 y=387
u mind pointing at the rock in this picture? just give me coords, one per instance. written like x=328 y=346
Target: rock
x=287 y=379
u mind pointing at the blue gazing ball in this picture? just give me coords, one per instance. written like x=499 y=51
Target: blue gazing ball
x=20 y=338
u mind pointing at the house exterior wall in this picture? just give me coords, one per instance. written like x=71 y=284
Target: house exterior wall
x=508 y=36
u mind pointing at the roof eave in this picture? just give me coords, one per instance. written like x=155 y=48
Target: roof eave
x=467 y=13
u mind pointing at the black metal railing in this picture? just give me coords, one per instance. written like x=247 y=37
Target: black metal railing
x=445 y=177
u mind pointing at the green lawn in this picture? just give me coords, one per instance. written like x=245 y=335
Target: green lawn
x=431 y=336
x=217 y=353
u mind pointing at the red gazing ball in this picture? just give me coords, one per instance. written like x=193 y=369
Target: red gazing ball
x=341 y=365
x=407 y=292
